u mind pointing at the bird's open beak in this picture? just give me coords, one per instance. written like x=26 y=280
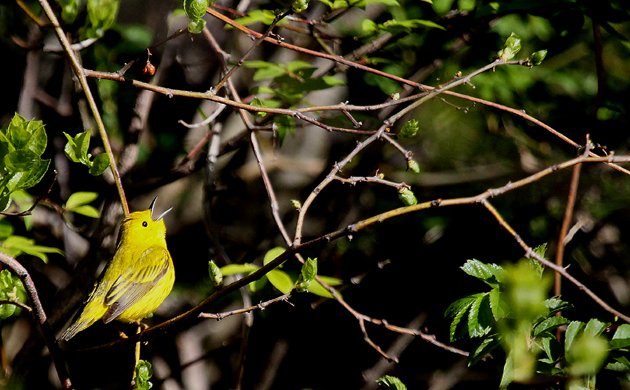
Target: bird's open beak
x=159 y=216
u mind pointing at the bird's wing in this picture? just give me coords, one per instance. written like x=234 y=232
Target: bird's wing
x=136 y=281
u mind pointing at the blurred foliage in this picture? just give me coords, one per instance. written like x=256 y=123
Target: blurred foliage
x=517 y=315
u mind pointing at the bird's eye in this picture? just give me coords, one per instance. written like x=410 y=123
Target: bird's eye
x=145 y=224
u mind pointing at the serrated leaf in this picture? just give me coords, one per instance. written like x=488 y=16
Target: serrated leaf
x=486 y=346
x=479 y=322
x=498 y=306
x=595 y=327
x=79 y=199
x=280 y=280
x=389 y=382
x=458 y=310
x=621 y=364
x=573 y=330
x=621 y=338
x=556 y=304
x=549 y=324
x=489 y=273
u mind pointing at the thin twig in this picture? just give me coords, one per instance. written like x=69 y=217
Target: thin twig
x=260 y=306
x=245 y=56
x=37 y=310
x=80 y=74
x=567 y=219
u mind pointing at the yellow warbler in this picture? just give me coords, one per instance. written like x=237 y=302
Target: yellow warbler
x=136 y=280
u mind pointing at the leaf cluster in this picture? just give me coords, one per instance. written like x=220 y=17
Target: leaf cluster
x=516 y=316
x=22 y=145
x=77 y=150
x=11 y=290
x=282 y=280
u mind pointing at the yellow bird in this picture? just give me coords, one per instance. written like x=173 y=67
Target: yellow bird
x=137 y=280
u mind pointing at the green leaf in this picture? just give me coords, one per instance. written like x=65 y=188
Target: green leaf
x=265 y=70
x=407 y=26
x=87 y=210
x=573 y=329
x=339 y=4
x=17 y=245
x=280 y=280
x=216 y=277
x=76 y=148
x=389 y=382
x=234 y=269
x=101 y=15
x=196 y=26
x=28 y=179
x=548 y=324
x=99 y=165
x=457 y=310
x=621 y=338
x=284 y=125
x=407 y=196
x=11 y=289
x=272 y=254
x=511 y=48
x=144 y=372
x=498 y=305
x=80 y=199
x=38 y=140
x=491 y=274
x=486 y=346
x=17 y=133
x=621 y=364
x=319 y=290
x=196 y=9
x=6 y=229
x=69 y=10
x=410 y=129
x=595 y=327
x=587 y=354
x=307 y=274
x=538 y=57
x=21 y=160
x=413 y=166
x=299 y=6
x=556 y=304
x=479 y=318
x=257 y=16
